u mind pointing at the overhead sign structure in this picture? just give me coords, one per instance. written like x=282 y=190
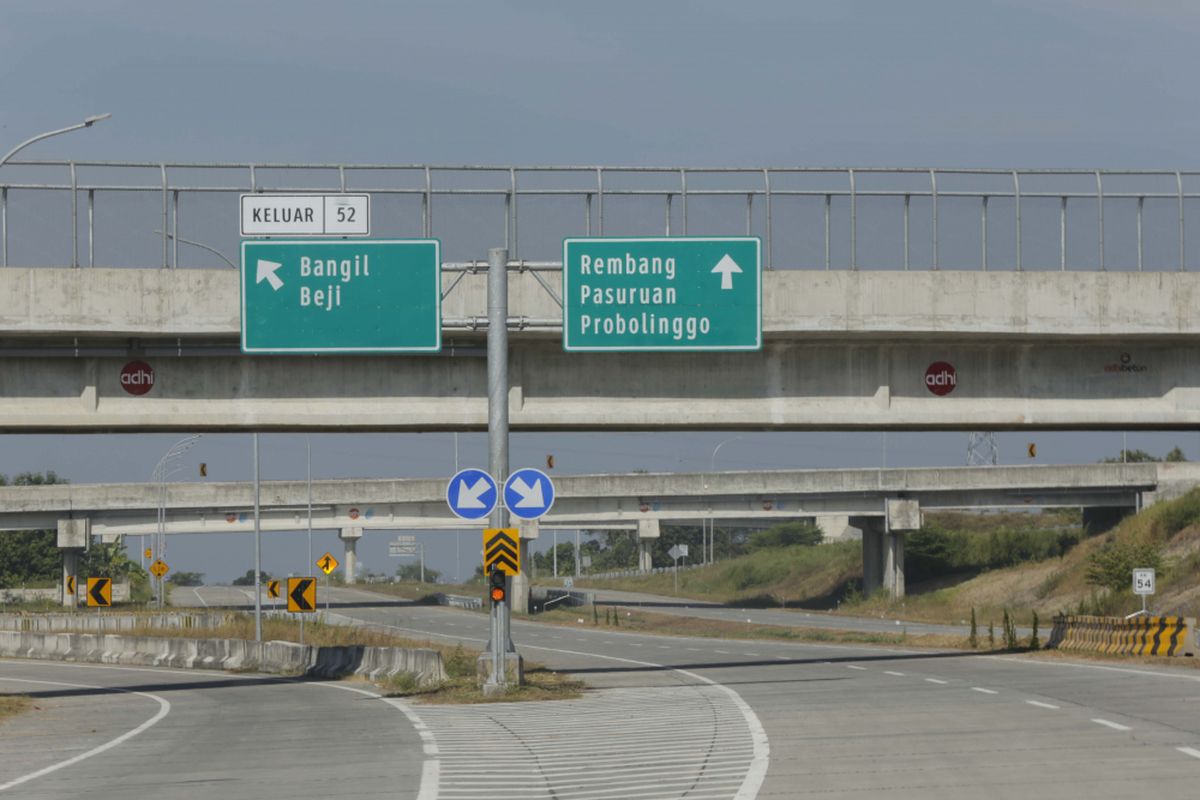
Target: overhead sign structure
x=674 y=293
x=502 y=551
x=528 y=493
x=306 y=215
x=471 y=494
x=401 y=550
x=159 y=568
x=273 y=589
x=302 y=595
x=327 y=563
x=1143 y=581
x=371 y=296
x=99 y=592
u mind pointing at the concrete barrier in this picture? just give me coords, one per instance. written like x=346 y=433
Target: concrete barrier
x=1137 y=636
x=120 y=594
x=104 y=622
x=281 y=658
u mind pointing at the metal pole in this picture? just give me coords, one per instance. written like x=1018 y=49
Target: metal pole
x=578 y=554
x=257 y=551
x=422 y=562
x=497 y=366
x=458 y=533
x=554 y=553
x=308 y=461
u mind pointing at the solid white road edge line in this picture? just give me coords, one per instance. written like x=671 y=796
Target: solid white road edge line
x=164 y=708
x=1189 y=751
x=431 y=769
x=757 y=771
x=196 y=591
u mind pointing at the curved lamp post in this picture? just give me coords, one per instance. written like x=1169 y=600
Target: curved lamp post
x=87 y=123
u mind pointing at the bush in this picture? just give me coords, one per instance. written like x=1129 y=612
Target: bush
x=1179 y=514
x=789 y=534
x=1111 y=567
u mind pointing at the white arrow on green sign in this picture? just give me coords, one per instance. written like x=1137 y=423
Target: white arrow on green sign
x=673 y=293
x=359 y=296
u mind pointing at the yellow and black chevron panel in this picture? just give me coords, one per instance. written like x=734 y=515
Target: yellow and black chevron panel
x=1139 y=636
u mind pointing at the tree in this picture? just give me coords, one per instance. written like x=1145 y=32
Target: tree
x=787 y=534
x=30 y=556
x=186 y=578
x=1142 y=457
x=248 y=578
x=412 y=572
x=1111 y=567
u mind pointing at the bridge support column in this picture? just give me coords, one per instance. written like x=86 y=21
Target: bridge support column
x=519 y=598
x=903 y=515
x=72 y=539
x=350 y=537
x=835 y=527
x=648 y=530
x=872 y=553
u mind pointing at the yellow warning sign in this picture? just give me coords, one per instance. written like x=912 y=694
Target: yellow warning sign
x=502 y=551
x=272 y=589
x=149 y=553
x=99 y=592
x=302 y=594
x=159 y=568
x=327 y=563
x=70 y=586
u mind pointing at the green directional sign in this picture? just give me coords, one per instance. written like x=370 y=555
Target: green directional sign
x=360 y=296
x=675 y=293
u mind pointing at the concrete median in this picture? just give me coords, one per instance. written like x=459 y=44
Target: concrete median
x=1137 y=636
x=280 y=658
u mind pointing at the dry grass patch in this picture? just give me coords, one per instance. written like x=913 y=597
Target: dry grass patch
x=13 y=704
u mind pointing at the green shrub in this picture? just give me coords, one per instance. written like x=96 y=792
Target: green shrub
x=1111 y=567
x=1180 y=513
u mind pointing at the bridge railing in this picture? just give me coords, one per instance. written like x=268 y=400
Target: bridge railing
x=176 y=215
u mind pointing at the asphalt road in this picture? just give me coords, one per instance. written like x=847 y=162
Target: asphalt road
x=125 y=732
x=669 y=717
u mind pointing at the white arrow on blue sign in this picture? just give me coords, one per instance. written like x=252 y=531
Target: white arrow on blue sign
x=471 y=493
x=528 y=493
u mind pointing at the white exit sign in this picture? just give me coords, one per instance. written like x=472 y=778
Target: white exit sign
x=306 y=214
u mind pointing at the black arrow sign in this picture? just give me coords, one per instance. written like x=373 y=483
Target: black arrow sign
x=298 y=593
x=97 y=592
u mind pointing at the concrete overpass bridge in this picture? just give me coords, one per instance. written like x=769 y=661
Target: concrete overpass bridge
x=882 y=504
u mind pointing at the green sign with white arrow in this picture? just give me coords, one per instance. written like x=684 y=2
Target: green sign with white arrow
x=361 y=296
x=675 y=293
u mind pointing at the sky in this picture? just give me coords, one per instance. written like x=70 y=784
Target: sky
x=1058 y=83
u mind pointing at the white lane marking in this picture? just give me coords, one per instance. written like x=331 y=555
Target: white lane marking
x=1189 y=751
x=1127 y=670
x=938 y=681
x=196 y=591
x=164 y=708
x=1116 y=726
x=984 y=691
x=1040 y=704
x=752 y=655
x=897 y=674
x=788 y=658
x=854 y=666
x=431 y=768
x=722 y=652
x=761 y=748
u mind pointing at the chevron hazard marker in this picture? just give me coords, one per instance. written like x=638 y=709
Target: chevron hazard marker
x=272 y=589
x=302 y=595
x=99 y=592
x=502 y=551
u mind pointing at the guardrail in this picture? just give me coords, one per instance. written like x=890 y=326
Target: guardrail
x=633 y=573
x=139 y=213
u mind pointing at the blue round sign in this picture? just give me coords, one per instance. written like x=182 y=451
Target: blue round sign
x=471 y=493
x=528 y=493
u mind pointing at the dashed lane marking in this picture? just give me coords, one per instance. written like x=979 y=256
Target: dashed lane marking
x=1116 y=726
x=897 y=674
x=938 y=681
x=1189 y=751
x=984 y=691
x=855 y=666
x=1040 y=704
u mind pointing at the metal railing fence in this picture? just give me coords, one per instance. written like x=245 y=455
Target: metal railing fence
x=807 y=217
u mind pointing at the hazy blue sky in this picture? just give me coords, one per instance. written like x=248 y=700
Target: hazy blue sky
x=1081 y=83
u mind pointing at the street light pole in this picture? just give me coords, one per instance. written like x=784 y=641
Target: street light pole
x=712 y=467
x=87 y=123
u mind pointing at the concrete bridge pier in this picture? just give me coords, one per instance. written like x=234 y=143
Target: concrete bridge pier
x=72 y=540
x=872 y=553
x=883 y=546
x=647 y=530
x=519 y=591
x=350 y=537
x=835 y=527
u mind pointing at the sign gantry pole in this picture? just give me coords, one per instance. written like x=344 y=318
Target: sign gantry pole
x=497 y=360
